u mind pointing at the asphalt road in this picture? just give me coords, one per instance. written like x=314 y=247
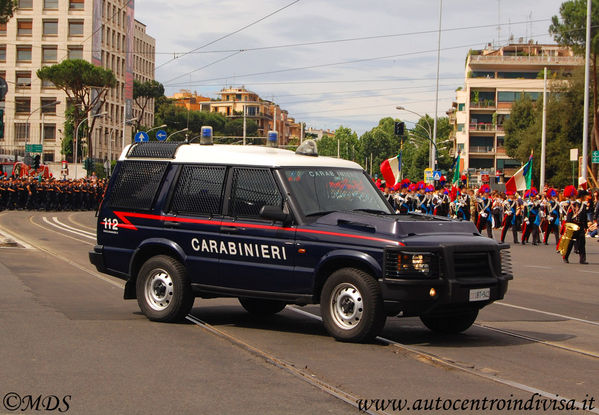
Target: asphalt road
x=67 y=333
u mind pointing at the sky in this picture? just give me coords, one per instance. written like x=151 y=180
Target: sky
x=336 y=62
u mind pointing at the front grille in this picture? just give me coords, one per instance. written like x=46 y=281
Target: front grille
x=506 y=262
x=470 y=265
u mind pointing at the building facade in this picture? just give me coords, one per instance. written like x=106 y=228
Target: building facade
x=495 y=79
x=231 y=103
x=46 y=32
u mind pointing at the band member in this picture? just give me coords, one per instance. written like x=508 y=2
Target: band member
x=552 y=218
x=510 y=216
x=532 y=217
x=484 y=210
x=577 y=214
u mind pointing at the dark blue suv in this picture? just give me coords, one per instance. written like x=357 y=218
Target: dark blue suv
x=273 y=227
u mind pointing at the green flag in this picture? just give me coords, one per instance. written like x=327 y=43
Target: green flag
x=456 y=170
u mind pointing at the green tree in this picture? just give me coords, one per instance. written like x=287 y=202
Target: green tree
x=143 y=93
x=564 y=128
x=7 y=8
x=380 y=143
x=348 y=144
x=570 y=29
x=85 y=85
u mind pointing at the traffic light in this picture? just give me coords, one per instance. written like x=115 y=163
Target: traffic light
x=36 y=162
x=1 y=123
x=399 y=128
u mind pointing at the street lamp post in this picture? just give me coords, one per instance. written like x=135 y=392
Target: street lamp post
x=77 y=139
x=31 y=113
x=155 y=128
x=429 y=132
x=176 y=132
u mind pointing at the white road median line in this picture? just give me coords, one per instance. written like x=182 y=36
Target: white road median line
x=55 y=219
x=595 y=323
x=493 y=378
x=45 y=219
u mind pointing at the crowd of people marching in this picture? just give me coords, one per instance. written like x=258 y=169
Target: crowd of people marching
x=529 y=216
x=32 y=193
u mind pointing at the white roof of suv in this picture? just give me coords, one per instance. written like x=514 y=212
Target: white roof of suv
x=248 y=156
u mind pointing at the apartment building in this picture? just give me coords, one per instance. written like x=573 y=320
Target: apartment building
x=496 y=78
x=45 y=32
x=144 y=65
x=231 y=103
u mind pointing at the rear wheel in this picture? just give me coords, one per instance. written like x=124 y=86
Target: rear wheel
x=163 y=290
x=260 y=307
x=451 y=323
x=351 y=305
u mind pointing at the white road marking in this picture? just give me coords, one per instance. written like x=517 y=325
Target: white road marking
x=537 y=266
x=55 y=219
x=517 y=385
x=19 y=241
x=45 y=219
x=595 y=323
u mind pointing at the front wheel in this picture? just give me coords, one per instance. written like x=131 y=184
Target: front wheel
x=451 y=323
x=260 y=307
x=351 y=305
x=163 y=290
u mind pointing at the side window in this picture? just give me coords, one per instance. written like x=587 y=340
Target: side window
x=136 y=184
x=252 y=189
x=199 y=191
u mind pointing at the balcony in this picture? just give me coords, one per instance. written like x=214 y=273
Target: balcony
x=486 y=127
x=481 y=149
x=527 y=60
x=484 y=104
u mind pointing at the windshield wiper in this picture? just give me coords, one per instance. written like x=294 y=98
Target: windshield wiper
x=376 y=211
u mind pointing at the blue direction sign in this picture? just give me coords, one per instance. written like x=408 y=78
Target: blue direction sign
x=161 y=135
x=141 y=137
x=437 y=175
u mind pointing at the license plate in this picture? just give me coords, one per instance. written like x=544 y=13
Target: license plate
x=480 y=294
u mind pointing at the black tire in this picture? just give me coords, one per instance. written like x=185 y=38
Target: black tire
x=351 y=306
x=450 y=323
x=260 y=307
x=163 y=290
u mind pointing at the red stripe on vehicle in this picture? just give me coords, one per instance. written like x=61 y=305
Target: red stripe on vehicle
x=128 y=225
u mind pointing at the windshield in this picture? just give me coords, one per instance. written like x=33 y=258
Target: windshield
x=321 y=190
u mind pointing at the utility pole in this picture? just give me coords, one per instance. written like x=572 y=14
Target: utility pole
x=433 y=147
x=585 y=124
x=544 y=132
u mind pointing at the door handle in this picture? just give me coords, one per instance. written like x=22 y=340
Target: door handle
x=171 y=224
x=231 y=229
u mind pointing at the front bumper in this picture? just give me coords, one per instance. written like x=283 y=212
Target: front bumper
x=450 y=287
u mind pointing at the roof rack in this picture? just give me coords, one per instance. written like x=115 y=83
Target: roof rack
x=155 y=150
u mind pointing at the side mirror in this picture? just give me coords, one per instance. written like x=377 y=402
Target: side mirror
x=274 y=213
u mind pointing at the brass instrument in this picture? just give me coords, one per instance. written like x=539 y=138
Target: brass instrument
x=567 y=237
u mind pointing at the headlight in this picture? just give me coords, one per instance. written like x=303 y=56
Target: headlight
x=409 y=265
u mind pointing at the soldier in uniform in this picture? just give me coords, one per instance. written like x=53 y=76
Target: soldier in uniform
x=552 y=216
x=484 y=210
x=532 y=217
x=510 y=210
x=577 y=214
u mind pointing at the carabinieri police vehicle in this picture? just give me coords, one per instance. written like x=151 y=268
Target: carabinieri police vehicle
x=273 y=227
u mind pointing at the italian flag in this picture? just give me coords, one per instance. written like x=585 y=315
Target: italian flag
x=522 y=180
x=390 y=169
